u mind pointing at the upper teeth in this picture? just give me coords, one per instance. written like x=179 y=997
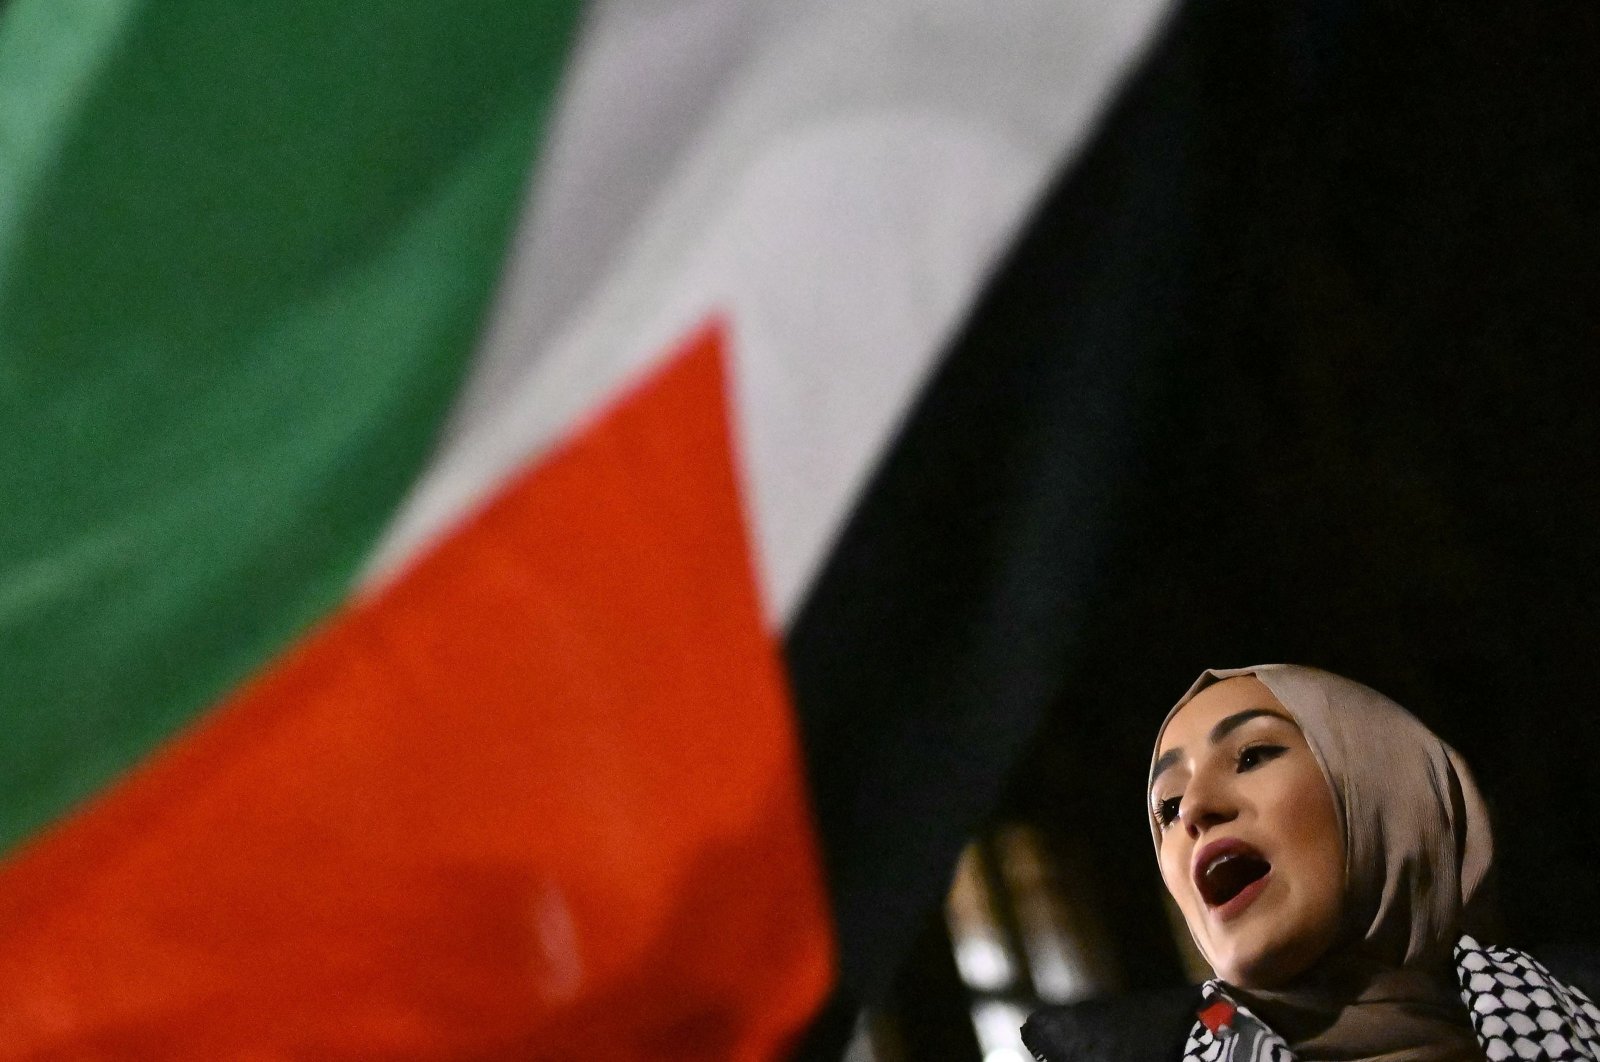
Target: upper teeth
x=1217 y=862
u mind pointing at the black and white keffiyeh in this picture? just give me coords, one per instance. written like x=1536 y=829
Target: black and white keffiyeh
x=1226 y=1031
x=1520 y=1011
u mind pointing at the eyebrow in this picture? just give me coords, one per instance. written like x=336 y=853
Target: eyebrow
x=1218 y=732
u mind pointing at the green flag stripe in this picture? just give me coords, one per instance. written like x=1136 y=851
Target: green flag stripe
x=244 y=254
x=47 y=54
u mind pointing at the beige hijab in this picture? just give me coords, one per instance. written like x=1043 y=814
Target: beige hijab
x=1418 y=853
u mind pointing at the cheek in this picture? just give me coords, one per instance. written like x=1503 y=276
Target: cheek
x=1174 y=873
x=1175 y=876
x=1318 y=843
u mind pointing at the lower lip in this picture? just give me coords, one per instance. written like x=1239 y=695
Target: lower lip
x=1235 y=907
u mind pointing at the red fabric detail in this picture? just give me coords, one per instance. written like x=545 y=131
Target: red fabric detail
x=1217 y=1014
x=540 y=799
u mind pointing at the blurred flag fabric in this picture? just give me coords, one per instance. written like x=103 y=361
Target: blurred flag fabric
x=445 y=469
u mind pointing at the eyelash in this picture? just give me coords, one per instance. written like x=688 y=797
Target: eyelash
x=1166 y=811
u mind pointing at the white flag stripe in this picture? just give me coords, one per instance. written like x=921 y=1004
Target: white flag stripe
x=836 y=185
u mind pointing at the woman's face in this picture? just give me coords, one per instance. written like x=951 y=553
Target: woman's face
x=1249 y=841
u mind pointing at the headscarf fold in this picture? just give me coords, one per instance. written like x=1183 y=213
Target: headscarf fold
x=1418 y=854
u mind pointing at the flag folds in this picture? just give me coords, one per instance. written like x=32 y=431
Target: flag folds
x=424 y=438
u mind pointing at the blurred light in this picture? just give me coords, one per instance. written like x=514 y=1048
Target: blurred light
x=1057 y=976
x=982 y=957
x=860 y=1048
x=983 y=962
x=1054 y=936
x=999 y=1028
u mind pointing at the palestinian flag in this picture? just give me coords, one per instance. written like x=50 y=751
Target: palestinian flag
x=455 y=591
x=537 y=535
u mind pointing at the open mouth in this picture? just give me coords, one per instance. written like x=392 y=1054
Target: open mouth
x=1228 y=873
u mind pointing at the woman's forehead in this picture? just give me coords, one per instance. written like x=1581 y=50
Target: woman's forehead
x=1219 y=702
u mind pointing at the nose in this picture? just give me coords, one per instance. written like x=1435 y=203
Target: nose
x=1208 y=801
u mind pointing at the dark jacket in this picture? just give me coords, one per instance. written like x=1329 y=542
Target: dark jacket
x=1141 y=1027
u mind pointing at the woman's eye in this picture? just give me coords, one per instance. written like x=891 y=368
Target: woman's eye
x=1255 y=755
x=1167 y=811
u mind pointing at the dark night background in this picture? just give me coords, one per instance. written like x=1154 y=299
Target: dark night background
x=1376 y=451
x=1378 y=455
x=1316 y=320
